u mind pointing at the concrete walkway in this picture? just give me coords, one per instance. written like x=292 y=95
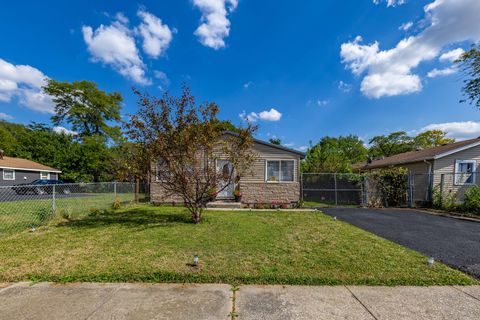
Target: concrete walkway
x=219 y=301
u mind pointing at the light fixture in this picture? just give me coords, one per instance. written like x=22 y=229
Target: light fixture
x=431 y=261
x=195 y=260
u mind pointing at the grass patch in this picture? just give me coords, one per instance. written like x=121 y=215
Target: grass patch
x=157 y=244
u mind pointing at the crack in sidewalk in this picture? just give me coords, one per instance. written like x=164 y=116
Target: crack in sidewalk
x=363 y=305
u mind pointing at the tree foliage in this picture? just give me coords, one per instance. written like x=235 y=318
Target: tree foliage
x=185 y=141
x=87 y=109
x=470 y=64
x=334 y=154
x=275 y=141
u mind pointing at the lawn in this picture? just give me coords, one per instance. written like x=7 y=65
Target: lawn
x=157 y=244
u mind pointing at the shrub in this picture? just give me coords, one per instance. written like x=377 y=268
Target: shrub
x=117 y=204
x=389 y=186
x=445 y=201
x=471 y=202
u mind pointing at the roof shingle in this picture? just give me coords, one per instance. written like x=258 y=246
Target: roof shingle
x=19 y=163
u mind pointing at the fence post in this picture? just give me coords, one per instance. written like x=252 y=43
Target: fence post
x=53 y=201
x=410 y=190
x=335 y=181
x=114 y=191
x=442 y=180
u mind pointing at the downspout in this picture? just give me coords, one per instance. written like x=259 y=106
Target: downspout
x=430 y=180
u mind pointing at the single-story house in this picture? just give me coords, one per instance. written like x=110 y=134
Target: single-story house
x=274 y=177
x=451 y=167
x=16 y=170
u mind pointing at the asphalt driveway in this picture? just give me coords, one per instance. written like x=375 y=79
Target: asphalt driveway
x=454 y=242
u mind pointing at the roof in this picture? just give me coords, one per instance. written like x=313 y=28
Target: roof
x=268 y=144
x=419 y=155
x=24 y=164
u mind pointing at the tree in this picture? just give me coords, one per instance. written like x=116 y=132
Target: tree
x=334 y=154
x=186 y=141
x=470 y=63
x=431 y=138
x=389 y=145
x=85 y=107
x=276 y=141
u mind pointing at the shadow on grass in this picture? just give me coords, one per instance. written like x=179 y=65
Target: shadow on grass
x=134 y=218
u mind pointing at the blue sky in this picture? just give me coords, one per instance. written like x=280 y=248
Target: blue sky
x=300 y=70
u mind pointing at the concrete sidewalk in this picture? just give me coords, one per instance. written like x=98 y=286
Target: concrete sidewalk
x=218 y=301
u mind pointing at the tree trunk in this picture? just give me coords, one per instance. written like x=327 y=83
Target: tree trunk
x=196 y=215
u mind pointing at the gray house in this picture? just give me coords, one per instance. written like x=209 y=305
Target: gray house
x=275 y=178
x=16 y=170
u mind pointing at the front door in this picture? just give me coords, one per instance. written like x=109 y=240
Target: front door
x=226 y=185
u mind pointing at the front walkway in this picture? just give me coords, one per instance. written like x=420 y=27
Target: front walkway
x=220 y=301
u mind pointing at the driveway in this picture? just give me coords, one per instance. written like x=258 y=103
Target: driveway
x=454 y=242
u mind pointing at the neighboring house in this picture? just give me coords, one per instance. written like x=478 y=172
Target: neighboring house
x=274 y=177
x=16 y=170
x=451 y=167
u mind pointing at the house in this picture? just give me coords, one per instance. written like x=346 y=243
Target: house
x=274 y=177
x=16 y=170
x=450 y=168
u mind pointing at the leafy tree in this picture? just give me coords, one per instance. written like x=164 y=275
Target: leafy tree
x=389 y=145
x=334 y=154
x=431 y=138
x=276 y=141
x=85 y=107
x=470 y=63
x=186 y=140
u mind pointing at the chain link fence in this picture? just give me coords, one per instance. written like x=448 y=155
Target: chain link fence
x=28 y=207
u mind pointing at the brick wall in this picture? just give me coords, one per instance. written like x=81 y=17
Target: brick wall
x=268 y=192
x=159 y=195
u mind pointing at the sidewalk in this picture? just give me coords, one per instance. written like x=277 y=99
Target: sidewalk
x=220 y=301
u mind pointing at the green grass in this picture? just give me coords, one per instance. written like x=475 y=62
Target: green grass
x=324 y=204
x=157 y=244
x=17 y=216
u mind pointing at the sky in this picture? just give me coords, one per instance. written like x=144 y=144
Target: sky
x=300 y=70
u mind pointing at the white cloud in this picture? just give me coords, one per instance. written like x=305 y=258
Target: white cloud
x=322 y=103
x=59 y=129
x=459 y=130
x=247 y=85
x=406 y=26
x=302 y=148
x=156 y=35
x=452 y=55
x=114 y=45
x=391 y=3
x=5 y=116
x=389 y=72
x=441 y=72
x=267 y=115
x=215 y=26
x=24 y=83
x=345 y=87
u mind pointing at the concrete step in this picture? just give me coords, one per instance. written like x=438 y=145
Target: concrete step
x=224 y=205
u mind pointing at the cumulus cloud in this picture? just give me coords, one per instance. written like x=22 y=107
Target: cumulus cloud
x=459 y=130
x=345 y=87
x=452 y=55
x=391 y=3
x=4 y=116
x=114 y=45
x=267 y=115
x=24 y=83
x=156 y=35
x=63 y=130
x=441 y=72
x=247 y=85
x=389 y=72
x=215 y=26
x=322 y=103
x=406 y=26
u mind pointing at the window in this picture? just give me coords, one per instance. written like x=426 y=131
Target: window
x=45 y=175
x=280 y=170
x=465 y=172
x=8 y=174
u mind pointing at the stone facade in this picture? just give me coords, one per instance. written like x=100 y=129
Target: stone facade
x=266 y=193
x=159 y=195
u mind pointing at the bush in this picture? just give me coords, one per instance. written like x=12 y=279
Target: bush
x=445 y=201
x=389 y=186
x=117 y=204
x=471 y=202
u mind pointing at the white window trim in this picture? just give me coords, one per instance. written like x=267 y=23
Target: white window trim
x=456 y=173
x=48 y=175
x=280 y=170
x=3 y=175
